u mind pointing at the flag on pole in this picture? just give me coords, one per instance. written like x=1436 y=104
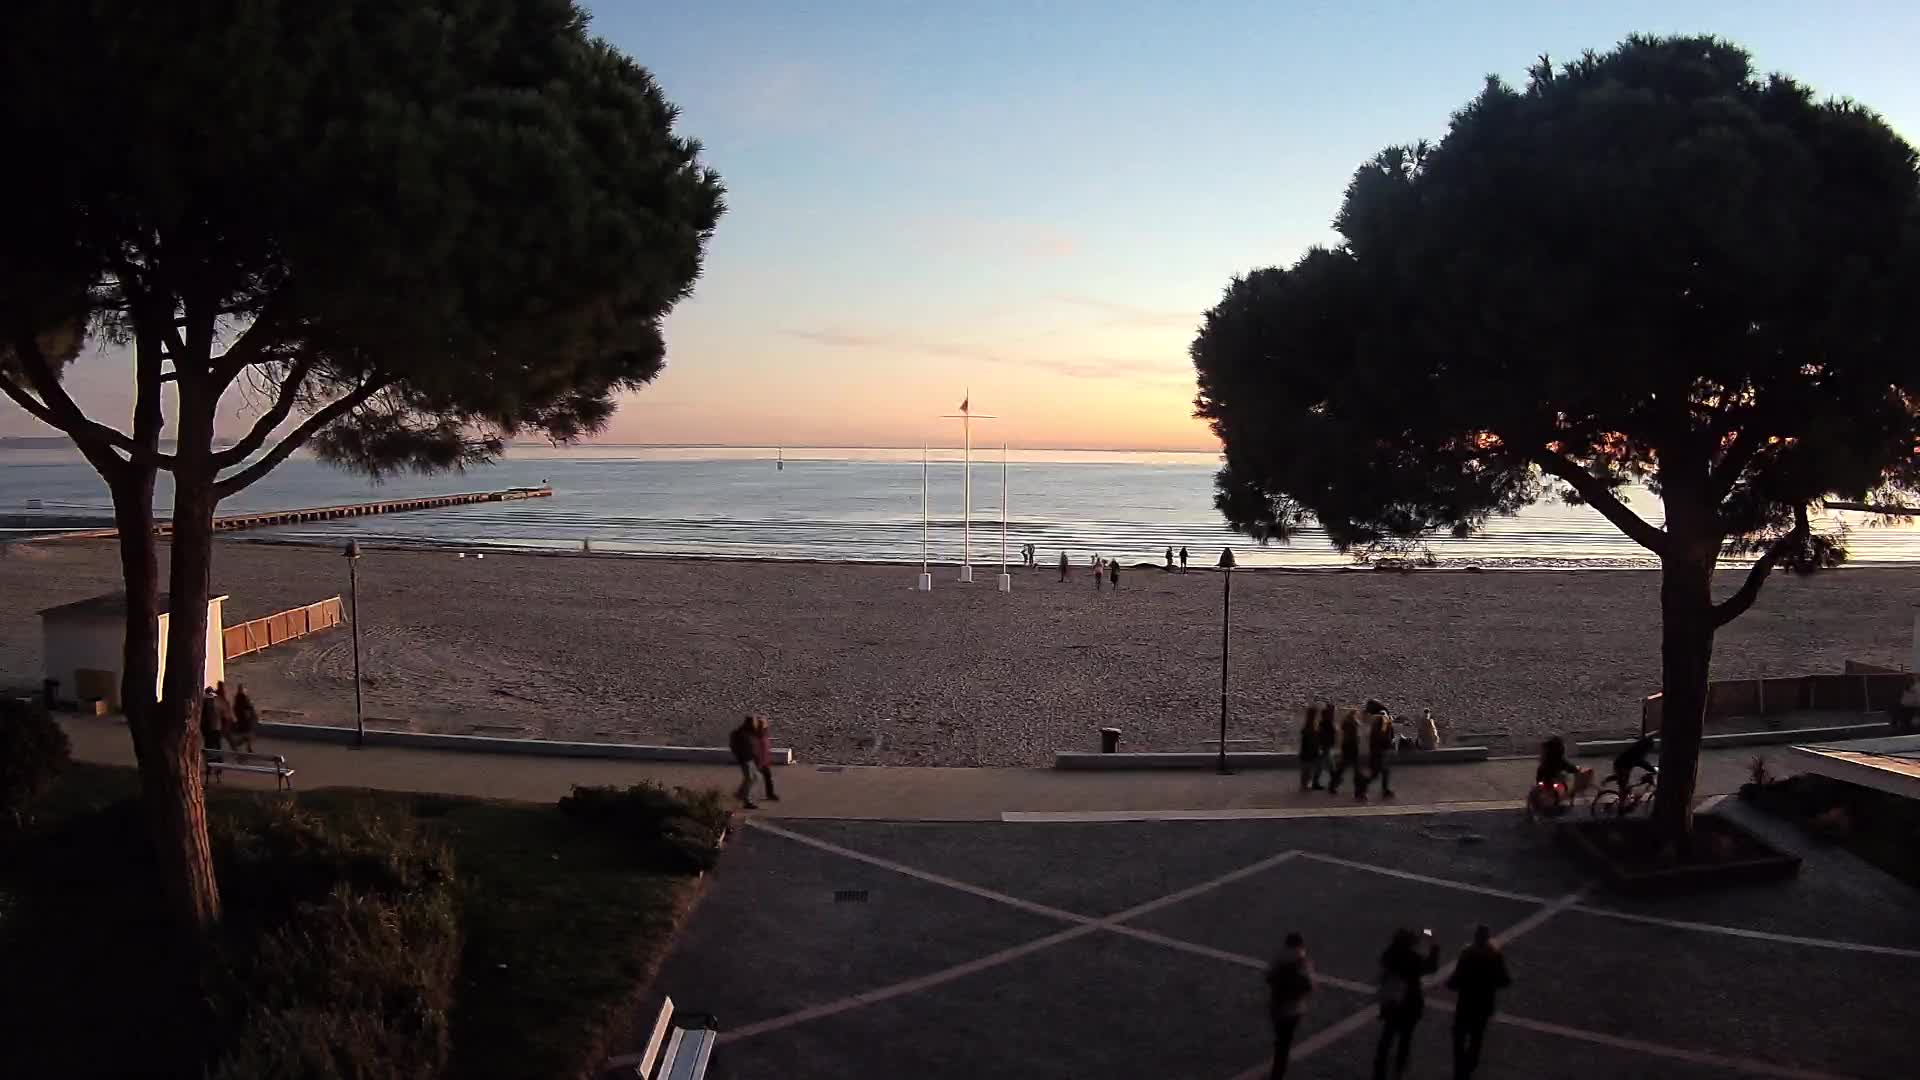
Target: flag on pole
x=963 y=402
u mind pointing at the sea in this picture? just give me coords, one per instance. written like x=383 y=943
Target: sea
x=843 y=504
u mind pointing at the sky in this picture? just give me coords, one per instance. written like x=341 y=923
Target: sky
x=1032 y=204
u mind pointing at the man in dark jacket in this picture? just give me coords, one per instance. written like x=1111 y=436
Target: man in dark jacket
x=1480 y=973
x=1289 y=984
x=753 y=749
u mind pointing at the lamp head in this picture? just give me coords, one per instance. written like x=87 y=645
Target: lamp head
x=353 y=549
x=1226 y=558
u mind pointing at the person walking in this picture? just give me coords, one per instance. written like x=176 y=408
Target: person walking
x=1113 y=574
x=1380 y=753
x=1349 y=759
x=1065 y=567
x=1097 y=565
x=222 y=714
x=1329 y=738
x=1169 y=560
x=1310 y=750
x=1402 y=998
x=1479 y=974
x=1183 y=560
x=245 y=719
x=209 y=721
x=752 y=749
x=1289 y=984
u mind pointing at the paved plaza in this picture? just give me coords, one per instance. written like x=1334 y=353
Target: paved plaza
x=1135 y=949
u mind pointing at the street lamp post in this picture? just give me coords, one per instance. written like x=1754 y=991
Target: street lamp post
x=353 y=598
x=1226 y=620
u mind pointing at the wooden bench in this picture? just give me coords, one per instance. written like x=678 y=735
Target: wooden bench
x=274 y=765
x=681 y=1055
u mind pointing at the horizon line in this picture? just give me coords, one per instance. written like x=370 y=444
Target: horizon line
x=849 y=446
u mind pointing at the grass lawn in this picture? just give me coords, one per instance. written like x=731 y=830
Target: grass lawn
x=561 y=933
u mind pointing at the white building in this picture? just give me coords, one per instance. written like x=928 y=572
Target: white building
x=84 y=642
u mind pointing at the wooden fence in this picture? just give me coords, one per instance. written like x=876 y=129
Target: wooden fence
x=251 y=637
x=1862 y=689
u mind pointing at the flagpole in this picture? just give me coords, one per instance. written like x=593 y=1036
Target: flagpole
x=966 y=543
x=925 y=584
x=1006 y=579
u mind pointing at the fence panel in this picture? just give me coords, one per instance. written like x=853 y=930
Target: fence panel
x=257 y=634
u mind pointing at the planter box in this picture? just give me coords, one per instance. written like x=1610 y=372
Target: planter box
x=1629 y=865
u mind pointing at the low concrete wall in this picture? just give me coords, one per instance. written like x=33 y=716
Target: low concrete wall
x=1241 y=759
x=1608 y=747
x=482 y=744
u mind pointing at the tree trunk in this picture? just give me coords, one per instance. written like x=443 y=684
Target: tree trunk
x=175 y=788
x=1686 y=650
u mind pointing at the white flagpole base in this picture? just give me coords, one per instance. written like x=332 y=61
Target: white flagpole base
x=1006 y=582
x=966 y=574
x=925 y=584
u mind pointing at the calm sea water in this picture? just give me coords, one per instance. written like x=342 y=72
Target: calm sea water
x=841 y=505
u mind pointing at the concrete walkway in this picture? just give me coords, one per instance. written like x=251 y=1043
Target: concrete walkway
x=901 y=793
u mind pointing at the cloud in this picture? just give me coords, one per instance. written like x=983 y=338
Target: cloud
x=1085 y=367
x=1127 y=314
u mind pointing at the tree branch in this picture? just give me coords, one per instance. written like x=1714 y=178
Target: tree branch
x=334 y=410
x=1732 y=464
x=1736 y=605
x=59 y=411
x=275 y=416
x=1601 y=498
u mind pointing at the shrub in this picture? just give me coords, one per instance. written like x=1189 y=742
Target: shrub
x=676 y=830
x=346 y=962
x=34 y=751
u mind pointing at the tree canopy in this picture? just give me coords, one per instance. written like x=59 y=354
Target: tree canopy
x=423 y=226
x=398 y=231
x=1648 y=265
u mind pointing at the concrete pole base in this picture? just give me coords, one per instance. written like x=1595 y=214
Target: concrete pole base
x=925 y=584
x=966 y=574
x=1006 y=582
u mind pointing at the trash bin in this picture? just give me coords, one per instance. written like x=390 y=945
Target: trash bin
x=1109 y=739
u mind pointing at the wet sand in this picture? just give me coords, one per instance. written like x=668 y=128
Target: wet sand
x=855 y=667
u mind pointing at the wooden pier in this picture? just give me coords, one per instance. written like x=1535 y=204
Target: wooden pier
x=267 y=518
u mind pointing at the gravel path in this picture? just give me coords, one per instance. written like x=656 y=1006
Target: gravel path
x=855 y=667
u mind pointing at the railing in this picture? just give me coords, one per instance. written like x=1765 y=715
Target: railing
x=251 y=637
x=1859 y=690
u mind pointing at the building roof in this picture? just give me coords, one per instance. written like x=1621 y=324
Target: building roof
x=1891 y=765
x=106 y=605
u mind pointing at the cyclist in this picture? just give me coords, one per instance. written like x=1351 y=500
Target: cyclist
x=1634 y=757
x=1553 y=765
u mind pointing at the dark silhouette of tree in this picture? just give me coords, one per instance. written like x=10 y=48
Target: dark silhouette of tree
x=1648 y=265
x=406 y=230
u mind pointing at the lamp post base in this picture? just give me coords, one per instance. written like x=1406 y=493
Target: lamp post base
x=966 y=574
x=1006 y=582
x=925 y=584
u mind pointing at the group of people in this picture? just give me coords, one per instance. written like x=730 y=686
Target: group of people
x=1104 y=570
x=1477 y=977
x=227 y=724
x=1330 y=746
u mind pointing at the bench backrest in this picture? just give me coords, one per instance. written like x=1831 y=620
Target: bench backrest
x=242 y=757
x=654 y=1041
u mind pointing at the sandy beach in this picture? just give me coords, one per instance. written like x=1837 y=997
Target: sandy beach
x=855 y=667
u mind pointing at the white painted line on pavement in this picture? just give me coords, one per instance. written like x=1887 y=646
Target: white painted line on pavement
x=1743 y=932
x=1408 y=875
x=1276 y=813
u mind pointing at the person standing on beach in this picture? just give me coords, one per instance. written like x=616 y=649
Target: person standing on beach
x=1289 y=984
x=753 y=749
x=1097 y=564
x=1169 y=560
x=1479 y=974
x=1065 y=567
x=1113 y=573
x=1349 y=758
x=1183 y=560
x=1402 y=998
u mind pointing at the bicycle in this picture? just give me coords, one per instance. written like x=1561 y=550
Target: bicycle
x=1552 y=799
x=1614 y=800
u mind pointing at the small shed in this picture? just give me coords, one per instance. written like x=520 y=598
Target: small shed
x=85 y=641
